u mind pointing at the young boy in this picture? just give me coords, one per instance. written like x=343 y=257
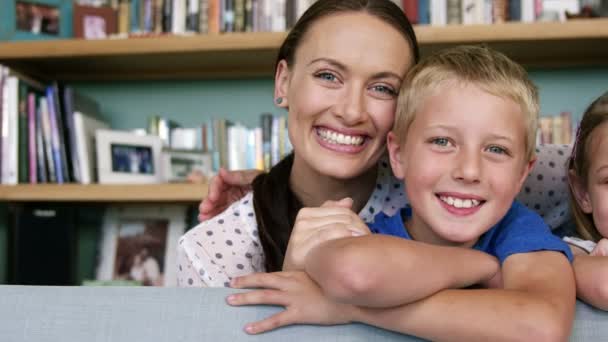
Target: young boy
x=463 y=142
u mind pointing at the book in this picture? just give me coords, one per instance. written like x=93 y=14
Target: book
x=46 y=136
x=85 y=126
x=23 y=145
x=32 y=139
x=74 y=101
x=10 y=132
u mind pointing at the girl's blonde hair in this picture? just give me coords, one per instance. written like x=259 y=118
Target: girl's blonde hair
x=579 y=162
x=488 y=69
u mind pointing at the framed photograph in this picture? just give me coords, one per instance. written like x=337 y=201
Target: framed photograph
x=139 y=244
x=35 y=19
x=178 y=164
x=94 y=22
x=128 y=158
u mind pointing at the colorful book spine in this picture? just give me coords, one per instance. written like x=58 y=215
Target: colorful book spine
x=48 y=145
x=55 y=142
x=40 y=151
x=31 y=134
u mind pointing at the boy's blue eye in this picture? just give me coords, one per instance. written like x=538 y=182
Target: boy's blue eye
x=440 y=141
x=497 y=150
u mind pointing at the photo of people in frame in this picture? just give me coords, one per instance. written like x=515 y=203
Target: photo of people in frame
x=132 y=159
x=37 y=18
x=140 y=251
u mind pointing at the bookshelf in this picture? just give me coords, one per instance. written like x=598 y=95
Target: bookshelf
x=170 y=193
x=241 y=55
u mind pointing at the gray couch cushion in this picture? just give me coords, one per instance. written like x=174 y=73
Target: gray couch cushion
x=172 y=314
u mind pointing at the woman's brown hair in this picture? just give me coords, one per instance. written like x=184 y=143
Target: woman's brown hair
x=579 y=162
x=276 y=206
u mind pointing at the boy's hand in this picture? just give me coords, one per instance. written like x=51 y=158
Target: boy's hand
x=302 y=298
x=313 y=226
x=225 y=188
x=601 y=249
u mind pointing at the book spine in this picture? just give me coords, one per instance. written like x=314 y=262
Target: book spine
x=10 y=164
x=203 y=19
x=23 y=147
x=54 y=135
x=68 y=105
x=31 y=134
x=46 y=133
x=410 y=7
x=239 y=15
x=213 y=17
x=192 y=16
x=42 y=174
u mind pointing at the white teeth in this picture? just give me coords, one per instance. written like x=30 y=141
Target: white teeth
x=339 y=138
x=460 y=203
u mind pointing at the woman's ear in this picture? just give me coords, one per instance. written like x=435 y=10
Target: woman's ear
x=394 y=152
x=581 y=195
x=281 y=85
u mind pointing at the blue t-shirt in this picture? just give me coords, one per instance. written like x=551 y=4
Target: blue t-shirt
x=519 y=231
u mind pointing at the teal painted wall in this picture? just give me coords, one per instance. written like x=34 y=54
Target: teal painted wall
x=127 y=105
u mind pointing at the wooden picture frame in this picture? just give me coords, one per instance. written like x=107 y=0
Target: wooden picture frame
x=94 y=22
x=52 y=19
x=139 y=244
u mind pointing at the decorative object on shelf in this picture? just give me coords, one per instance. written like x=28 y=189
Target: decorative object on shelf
x=139 y=244
x=94 y=22
x=178 y=164
x=35 y=19
x=124 y=157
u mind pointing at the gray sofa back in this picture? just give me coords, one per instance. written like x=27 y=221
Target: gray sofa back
x=117 y=314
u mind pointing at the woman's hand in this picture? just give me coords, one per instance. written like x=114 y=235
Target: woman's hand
x=601 y=249
x=302 y=298
x=313 y=226
x=224 y=189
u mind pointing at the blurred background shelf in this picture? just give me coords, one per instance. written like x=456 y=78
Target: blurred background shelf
x=245 y=55
x=154 y=193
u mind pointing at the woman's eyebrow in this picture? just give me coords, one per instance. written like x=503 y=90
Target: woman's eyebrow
x=342 y=67
x=333 y=62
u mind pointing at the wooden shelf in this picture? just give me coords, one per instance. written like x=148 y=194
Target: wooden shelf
x=572 y=43
x=171 y=193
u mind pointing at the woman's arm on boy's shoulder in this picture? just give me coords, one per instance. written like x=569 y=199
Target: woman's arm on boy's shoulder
x=384 y=271
x=591 y=273
x=536 y=304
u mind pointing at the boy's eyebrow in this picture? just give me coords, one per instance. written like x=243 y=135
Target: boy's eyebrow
x=492 y=136
x=342 y=67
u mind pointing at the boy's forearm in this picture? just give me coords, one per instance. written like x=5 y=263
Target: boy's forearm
x=475 y=315
x=384 y=271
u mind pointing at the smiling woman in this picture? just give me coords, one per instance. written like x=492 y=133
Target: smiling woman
x=338 y=73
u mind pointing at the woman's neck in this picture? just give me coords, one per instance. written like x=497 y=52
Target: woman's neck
x=313 y=188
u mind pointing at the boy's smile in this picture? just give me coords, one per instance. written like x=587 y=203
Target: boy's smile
x=463 y=162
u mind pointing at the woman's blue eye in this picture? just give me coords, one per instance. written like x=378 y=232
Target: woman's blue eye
x=326 y=76
x=385 y=89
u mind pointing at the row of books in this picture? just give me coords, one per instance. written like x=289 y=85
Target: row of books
x=447 y=12
x=220 y=16
x=556 y=129
x=231 y=145
x=207 y=16
x=46 y=132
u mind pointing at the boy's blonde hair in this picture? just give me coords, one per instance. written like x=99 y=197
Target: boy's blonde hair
x=579 y=162
x=488 y=69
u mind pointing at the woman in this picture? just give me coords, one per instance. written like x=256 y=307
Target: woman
x=338 y=73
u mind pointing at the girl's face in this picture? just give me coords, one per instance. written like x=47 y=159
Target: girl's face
x=341 y=93
x=593 y=197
